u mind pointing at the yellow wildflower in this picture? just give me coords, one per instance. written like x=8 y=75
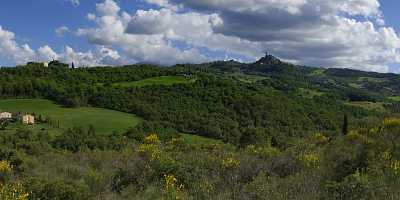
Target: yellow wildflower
x=320 y=139
x=230 y=163
x=13 y=192
x=152 y=139
x=391 y=122
x=5 y=166
x=150 y=150
x=173 y=189
x=395 y=167
x=387 y=155
x=311 y=159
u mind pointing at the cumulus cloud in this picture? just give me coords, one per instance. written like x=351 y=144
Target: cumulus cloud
x=312 y=32
x=334 y=33
x=17 y=53
x=11 y=50
x=148 y=38
x=108 y=8
x=60 y=31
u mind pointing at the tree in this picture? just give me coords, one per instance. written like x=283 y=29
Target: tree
x=345 y=126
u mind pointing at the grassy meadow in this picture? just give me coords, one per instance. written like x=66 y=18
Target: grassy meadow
x=105 y=121
x=161 y=80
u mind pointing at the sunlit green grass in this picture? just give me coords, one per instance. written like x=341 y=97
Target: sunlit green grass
x=105 y=121
x=373 y=106
x=161 y=80
x=198 y=140
x=395 y=98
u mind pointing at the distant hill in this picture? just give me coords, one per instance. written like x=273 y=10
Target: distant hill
x=226 y=99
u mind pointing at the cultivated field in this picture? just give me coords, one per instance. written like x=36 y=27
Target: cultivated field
x=105 y=121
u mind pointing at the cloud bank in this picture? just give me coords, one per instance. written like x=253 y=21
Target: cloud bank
x=334 y=33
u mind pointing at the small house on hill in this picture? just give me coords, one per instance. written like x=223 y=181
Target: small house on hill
x=5 y=115
x=28 y=119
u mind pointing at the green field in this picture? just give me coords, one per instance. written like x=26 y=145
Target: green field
x=161 y=80
x=378 y=106
x=199 y=140
x=105 y=121
x=395 y=98
x=247 y=78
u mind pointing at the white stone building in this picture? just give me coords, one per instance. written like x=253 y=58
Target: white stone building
x=28 y=119
x=5 y=115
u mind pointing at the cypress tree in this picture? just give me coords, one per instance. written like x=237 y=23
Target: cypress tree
x=345 y=126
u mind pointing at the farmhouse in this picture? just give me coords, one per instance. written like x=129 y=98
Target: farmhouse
x=5 y=115
x=28 y=119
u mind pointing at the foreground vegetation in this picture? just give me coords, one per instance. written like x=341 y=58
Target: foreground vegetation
x=364 y=164
x=265 y=130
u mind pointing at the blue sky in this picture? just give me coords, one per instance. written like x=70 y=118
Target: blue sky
x=169 y=32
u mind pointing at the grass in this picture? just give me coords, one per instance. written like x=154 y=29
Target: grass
x=395 y=98
x=37 y=128
x=308 y=93
x=317 y=72
x=105 y=121
x=378 y=106
x=371 y=79
x=247 y=78
x=161 y=80
x=198 y=140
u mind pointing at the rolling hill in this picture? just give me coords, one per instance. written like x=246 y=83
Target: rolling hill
x=104 y=121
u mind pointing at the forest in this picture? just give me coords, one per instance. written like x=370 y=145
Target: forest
x=273 y=130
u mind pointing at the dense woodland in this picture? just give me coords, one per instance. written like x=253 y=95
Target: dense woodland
x=280 y=131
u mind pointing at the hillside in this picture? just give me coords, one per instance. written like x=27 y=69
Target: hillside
x=220 y=130
x=104 y=121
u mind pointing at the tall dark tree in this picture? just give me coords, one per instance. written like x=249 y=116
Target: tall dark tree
x=345 y=126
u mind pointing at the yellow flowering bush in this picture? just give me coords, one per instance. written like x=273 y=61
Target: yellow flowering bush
x=320 y=139
x=173 y=189
x=310 y=159
x=149 y=150
x=391 y=122
x=395 y=167
x=387 y=155
x=13 y=192
x=5 y=166
x=230 y=163
x=152 y=139
x=355 y=136
x=5 y=170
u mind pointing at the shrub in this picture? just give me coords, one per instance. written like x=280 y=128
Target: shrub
x=13 y=192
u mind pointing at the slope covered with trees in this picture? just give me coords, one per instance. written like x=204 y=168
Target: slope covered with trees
x=268 y=130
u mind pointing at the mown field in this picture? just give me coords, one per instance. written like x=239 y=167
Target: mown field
x=105 y=121
x=161 y=80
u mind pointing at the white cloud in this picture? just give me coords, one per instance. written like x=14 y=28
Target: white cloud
x=108 y=8
x=11 y=50
x=16 y=53
x=313 y=32
x=146 y=42
x=46 y=53
x=334 y=33
x=60 y=31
